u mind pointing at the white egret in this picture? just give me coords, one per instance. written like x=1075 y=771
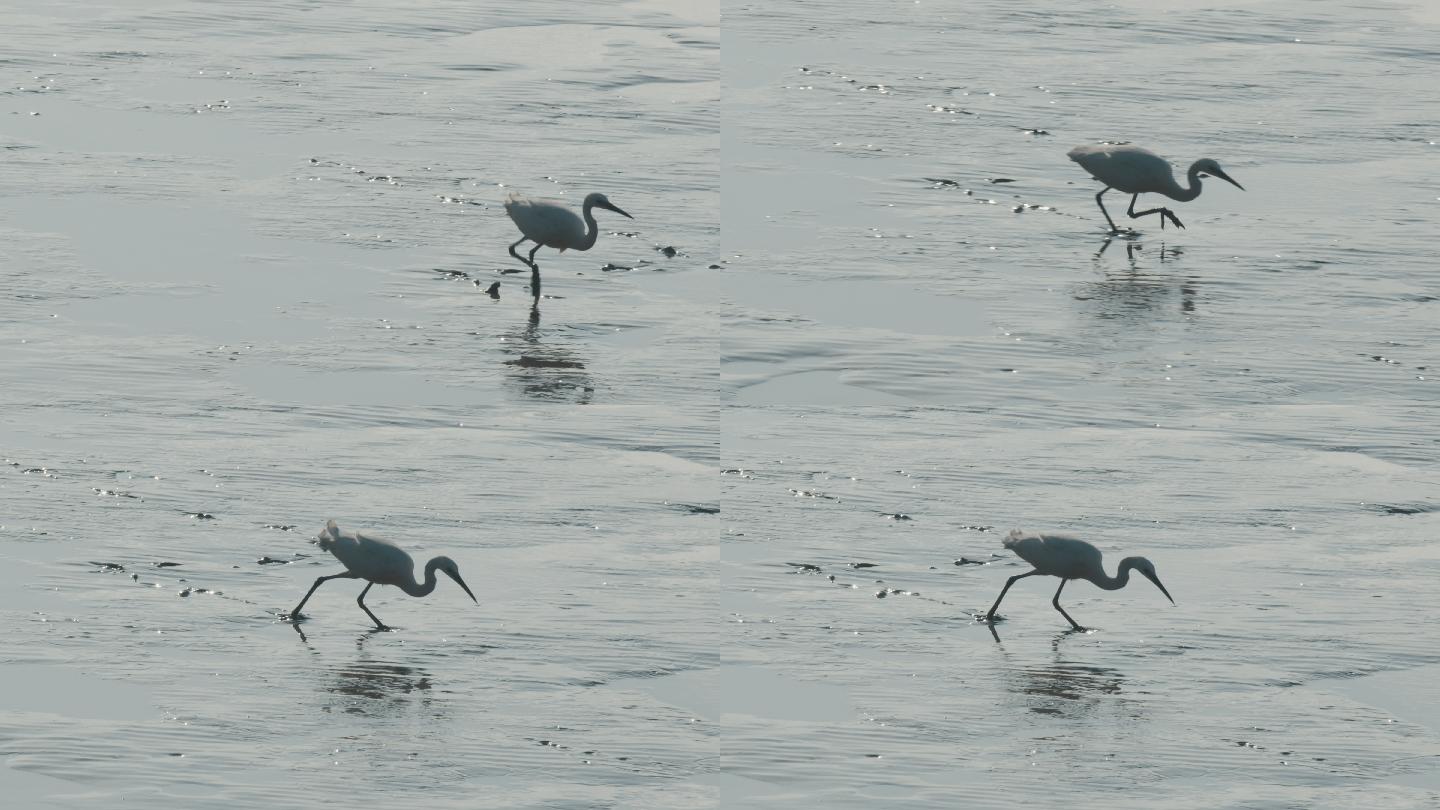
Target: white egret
x=550 y=224
x=1068 y=558
x=382 y=563
x=1137 y=171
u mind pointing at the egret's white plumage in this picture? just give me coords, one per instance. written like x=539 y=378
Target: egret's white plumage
x=1070 y=558
x=550 y=224
x=1136 y=170
x=381 y=562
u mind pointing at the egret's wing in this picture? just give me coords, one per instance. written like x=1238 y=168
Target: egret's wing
x=546 y=222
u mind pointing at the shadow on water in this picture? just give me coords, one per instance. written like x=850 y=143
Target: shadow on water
x=544 y=371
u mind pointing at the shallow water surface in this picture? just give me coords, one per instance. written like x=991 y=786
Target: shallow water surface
x=1249 y=402
x=247 y=249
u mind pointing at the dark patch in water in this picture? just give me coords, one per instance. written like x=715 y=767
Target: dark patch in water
x=895 y=516
x=280 y=527
x=695 y=508
x=167 y=565
x=268 y=560
x=108 y=566
x=526 y=361
x=864 y=565
x=804 y=568
x=1396 y=509
x=199 y=515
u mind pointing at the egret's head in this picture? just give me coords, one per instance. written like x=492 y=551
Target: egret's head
x=1147 y=568
x=452 y=570
x=598 y=200
x=1207 y=167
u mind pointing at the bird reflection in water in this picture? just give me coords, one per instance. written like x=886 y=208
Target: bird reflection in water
x=385 y=686
x=1065 y=688
x=1134 y=293
x=541 y=370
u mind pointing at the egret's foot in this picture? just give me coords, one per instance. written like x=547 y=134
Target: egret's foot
x=293 y=617
x=1166 y=213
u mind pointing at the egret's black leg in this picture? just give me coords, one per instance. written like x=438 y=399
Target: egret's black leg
x=1101 y=203
x=535 y=273
x=1056 y=603
x=360 y=600
x=1165 y=213
x=990 y=617
x=517 y=244
x=295 y=614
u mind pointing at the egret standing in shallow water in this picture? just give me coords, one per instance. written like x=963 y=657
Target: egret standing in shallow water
x=1137 y=171
x=1068 y=558
x=382 y=563
x=550 y=224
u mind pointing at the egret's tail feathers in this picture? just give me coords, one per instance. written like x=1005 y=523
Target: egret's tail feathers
x=1014 y=537
x=330 y=535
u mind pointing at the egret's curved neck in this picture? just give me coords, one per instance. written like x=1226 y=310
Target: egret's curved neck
x=592 y=230
x=421 y=589
x=1121 y=578
x=1187 y=194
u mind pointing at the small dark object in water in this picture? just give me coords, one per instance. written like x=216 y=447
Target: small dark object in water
x=806 y=567
x=880 y=594
x=895 y=516
x=667 y=251
x=167 y=565
x=508 y=270
x=527 y=361
x=108 y=566
x=863 y=565
x=268 y=560
x=493 y=291
x=201 y=515
x=968 y=561
x=1001 y=180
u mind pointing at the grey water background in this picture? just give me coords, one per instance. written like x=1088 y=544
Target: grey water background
x=245 y=252
x=928 y=340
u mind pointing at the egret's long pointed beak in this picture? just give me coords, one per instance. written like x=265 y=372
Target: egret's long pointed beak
x=461 y=583
x=1156 y=580
x=1227 y=178
x=609 y=206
